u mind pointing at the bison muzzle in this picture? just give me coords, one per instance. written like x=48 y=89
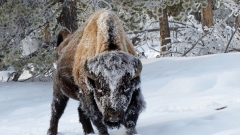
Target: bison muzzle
x=97 y=65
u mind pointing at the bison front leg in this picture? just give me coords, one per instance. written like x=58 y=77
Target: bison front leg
x=102 y=129
x=86 y=123
x=135 y=107
x=59 y=103
x=89 y=109
x=131 y=120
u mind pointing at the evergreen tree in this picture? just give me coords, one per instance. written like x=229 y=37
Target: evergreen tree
x=21 y=19
x=23 y=23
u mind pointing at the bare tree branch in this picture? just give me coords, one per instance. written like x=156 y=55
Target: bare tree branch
x=154 y=49
x=183 y=24
x=230 y=40
x=184 y=54
x=152 y=30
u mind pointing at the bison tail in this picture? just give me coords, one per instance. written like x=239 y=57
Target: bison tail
x=64 y=33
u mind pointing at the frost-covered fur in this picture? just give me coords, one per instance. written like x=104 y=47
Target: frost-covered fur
x=114 y=70
x=111 y=58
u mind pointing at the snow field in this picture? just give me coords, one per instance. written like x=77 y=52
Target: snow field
x=182 y=96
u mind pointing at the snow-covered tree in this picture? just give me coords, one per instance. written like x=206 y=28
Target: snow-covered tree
x=21 y=19
x=24 y=24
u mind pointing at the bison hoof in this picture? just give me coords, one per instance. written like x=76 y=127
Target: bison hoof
x=51 y=132
x=104 y=133
x=131 y=132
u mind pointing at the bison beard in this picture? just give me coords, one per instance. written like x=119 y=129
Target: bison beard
x=102 y=73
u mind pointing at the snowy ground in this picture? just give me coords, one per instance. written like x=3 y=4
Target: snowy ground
x=182 y=96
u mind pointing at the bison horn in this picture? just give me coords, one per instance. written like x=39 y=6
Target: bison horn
x=88 y=73
x=138 y=70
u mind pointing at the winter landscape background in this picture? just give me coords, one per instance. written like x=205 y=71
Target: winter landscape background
x=182 y=96
x=189 y=50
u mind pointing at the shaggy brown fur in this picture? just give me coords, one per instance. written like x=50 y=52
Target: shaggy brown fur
x=94 y=42
x=89 y=41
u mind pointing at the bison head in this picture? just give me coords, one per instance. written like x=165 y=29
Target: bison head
x=112 y=77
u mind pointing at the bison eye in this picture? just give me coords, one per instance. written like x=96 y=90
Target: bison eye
x=92 y=82
x=99 y=92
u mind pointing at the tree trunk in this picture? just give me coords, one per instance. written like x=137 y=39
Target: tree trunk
x=164 y=30
x=207 y=16
x=16 y=76
x=237 y=23
x=68 y=16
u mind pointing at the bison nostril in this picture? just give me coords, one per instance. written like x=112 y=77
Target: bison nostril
x=108 y=115
x=113 y=116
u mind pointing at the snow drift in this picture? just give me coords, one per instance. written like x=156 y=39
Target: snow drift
x=182 y=96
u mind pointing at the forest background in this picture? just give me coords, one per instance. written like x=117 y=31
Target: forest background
x=165 y=28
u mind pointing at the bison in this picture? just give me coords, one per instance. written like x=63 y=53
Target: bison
x=97 y=65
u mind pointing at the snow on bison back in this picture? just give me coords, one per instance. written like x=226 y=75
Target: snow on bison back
x=96 y=65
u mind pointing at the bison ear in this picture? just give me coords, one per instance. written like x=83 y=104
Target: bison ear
x=89 y=73
x=64 y=33
x=139 y=69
